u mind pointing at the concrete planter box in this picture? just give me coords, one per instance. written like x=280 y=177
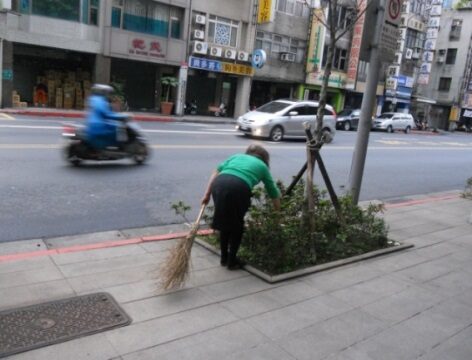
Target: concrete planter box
x=312 y=269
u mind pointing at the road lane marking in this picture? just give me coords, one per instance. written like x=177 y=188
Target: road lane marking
x=4 y=116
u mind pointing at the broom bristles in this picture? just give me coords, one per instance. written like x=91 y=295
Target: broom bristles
x=175 y=269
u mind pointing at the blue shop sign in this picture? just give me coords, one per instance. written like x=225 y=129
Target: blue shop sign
x=405 y=81
x=404 y=92
x=204 y=64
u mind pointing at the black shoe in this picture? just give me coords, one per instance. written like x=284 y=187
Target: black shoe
x=236 y=265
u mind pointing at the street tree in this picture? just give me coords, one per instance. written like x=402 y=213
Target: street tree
x=330 y=14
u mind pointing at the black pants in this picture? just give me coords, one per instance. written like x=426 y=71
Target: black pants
x=232 y=198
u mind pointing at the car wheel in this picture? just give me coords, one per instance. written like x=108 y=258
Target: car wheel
x=407 y=130
x=326 y=135
x=347 y=126
x=390 y=129
x=276 y=134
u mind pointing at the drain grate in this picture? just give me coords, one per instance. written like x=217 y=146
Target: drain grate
x=35 y=326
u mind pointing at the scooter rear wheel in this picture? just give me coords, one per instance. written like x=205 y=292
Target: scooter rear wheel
x=71 y=157
x=140 y=152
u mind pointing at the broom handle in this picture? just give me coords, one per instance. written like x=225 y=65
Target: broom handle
x=199 y=218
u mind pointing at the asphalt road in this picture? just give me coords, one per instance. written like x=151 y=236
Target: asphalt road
x=42 y=196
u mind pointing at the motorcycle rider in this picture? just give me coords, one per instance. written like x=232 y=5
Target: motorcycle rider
x=103 y=124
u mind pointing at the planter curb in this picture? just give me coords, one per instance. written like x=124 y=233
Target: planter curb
x=272 y=279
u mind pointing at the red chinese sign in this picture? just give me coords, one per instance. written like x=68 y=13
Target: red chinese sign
x=356 y=47
x=144 y=47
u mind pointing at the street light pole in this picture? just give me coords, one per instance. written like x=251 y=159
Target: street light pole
x=368 y=103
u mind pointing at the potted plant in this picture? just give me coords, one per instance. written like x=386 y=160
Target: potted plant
x=168 y=82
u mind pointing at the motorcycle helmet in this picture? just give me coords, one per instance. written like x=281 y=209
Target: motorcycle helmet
x=102 y=89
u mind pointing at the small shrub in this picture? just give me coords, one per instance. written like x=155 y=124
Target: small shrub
x=282 y=242
x=467 y=194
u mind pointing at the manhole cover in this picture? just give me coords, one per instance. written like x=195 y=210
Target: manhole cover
x=44 y=324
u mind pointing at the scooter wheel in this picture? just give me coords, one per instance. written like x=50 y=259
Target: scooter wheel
x=141 y=153
x=71 y=157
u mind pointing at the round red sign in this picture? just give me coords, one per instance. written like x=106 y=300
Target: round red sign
x=394 y=9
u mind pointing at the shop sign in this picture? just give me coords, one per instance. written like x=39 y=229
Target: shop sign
x=436 y=10
x=432 y=33
x=390 y=83
x=336 y=79
x=467 y=102
x=355 y=51
x=220 y=66
x=146 y=47
x=264 y=13
x=404 y=92
x=423 y=79
x=7 y=74
x=430 y=44
x=316 y=44
x=428 y=56
x=425 y=68
x=405 y=81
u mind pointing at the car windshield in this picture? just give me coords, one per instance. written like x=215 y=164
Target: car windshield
x=272 y=107
x=385 y=116
x=345 y=112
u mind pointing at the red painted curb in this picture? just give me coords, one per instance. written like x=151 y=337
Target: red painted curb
x=81 y=115
x=422 y=201
x=95 y=246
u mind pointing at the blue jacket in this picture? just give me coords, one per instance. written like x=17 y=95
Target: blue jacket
x=101 y=122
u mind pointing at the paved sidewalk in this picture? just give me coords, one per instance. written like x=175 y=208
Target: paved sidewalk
x=415 y=304
x=139 y=116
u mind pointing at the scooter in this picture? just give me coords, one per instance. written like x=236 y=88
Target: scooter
x=131 y=144
x=191 y=108
x=221 y=110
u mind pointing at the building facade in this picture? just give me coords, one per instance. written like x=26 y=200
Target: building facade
x=61 y=47
x=448 y=69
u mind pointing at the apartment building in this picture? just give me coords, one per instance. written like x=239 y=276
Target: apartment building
x=448 y=69
x=63 y=46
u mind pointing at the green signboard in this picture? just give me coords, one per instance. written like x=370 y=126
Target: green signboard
x=7 y=74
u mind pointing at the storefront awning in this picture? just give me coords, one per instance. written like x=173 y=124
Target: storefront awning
x=423 y=100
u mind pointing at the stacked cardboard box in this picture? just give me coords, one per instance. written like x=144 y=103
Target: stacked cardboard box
x=15 y=98
x=59 y=98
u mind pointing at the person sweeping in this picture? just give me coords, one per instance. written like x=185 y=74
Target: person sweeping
x=231 y=186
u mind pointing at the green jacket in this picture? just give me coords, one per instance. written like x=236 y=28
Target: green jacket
x=252 y=170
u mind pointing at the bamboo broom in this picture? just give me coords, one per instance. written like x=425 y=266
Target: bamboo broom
x=174 y=271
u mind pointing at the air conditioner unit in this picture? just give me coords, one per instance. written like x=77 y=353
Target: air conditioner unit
x=200 y=19
x=198 y=34
x=415 y=55
x=440 y=59
x=408 y=53
x=216 y=51
x=243 y=56
x=289 y=57
x=230 y=54
x=199 y=47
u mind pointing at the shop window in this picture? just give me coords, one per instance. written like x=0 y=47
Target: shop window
x=294 y=7
x=339 y=58
x=342 y=17
x=444 y=84
x=456 y=27
x=274 y=44
x=223 y=31
x=61 y=9
x=149 y=17
x=93 y=12
x=117 y=13
x=22 y=6
x=451 y=56
x=176 y=20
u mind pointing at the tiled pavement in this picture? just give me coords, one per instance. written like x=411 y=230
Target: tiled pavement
x=414 y=304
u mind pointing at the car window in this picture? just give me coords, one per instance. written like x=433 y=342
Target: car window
x=328 y=112
x=299 y=109
x=272 y=107
x=385 y=116
x=345 y=112
x=311 y=110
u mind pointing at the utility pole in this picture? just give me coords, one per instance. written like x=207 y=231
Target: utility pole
x=368 y=102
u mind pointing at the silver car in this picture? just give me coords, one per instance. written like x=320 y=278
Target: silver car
x=392 y=121
x=280 y=118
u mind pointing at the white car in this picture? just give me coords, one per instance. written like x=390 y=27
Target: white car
x=392 y=121
x=280 y=118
